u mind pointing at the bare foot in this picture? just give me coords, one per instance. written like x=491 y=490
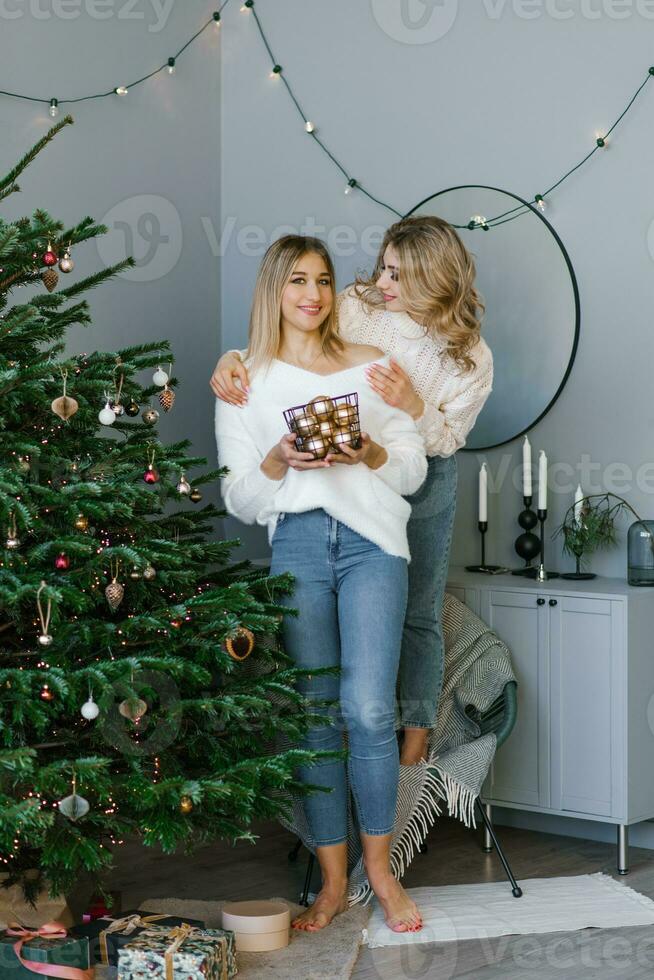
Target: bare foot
x=400 y=912
x=414 y=746
x=330 y=901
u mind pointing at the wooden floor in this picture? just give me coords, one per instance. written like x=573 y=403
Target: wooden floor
x=454 y=857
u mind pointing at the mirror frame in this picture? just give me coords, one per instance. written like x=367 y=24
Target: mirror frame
x=575 y=290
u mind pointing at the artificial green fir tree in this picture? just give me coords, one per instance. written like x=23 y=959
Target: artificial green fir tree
x=124 y=706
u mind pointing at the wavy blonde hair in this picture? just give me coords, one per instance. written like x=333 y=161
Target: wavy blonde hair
x=437 y=275
x=274 y=273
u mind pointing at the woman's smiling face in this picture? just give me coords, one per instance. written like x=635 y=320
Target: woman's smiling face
x=388 y=282
x=308 y=297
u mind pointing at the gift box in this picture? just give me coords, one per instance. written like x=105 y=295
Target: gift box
x=106 y=936
x=21 y=946
x=325 y=424
x=257 y=926
x=181 y=953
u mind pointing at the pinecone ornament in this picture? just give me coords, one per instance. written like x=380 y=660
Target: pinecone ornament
x=50 y=279
x=166 y=398
x=114 y=593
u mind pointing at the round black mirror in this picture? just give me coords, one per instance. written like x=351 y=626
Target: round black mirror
x=528 y=285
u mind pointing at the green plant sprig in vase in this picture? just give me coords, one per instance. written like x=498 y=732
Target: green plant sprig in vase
x=594 y=529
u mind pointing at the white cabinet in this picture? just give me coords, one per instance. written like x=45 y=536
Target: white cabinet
x=583 y=742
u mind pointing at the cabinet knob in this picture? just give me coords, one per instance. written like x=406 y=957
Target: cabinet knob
x=541 y=602
x=552 y=602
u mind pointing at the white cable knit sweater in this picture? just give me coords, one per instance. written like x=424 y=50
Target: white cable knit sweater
x=452 y=400
x=368 y=501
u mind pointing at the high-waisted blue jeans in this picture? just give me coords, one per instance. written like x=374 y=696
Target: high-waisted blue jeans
x=430 y=534
x=351 y=598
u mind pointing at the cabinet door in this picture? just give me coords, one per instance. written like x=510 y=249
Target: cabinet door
x=586 y=679
x=520 y=771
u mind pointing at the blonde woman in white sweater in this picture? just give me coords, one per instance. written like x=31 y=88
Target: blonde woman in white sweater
x=339 y=526
x=420 y=305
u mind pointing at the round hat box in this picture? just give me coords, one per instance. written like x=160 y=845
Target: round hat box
x=257 y=926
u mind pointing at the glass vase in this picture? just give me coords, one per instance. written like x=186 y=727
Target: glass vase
x=640 y=553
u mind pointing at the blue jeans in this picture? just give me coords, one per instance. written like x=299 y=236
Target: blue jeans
x=429 y=532
x=351 y=598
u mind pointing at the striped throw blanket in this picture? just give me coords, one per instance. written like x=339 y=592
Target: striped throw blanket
x=477 y=667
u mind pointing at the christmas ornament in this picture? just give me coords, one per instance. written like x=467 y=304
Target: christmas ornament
x=44 y=638
x=90 y=709
x=345 y=414
x=195 y=495
x=49 y=257
x=13 y=541
x=150 y=415
x=50 y=278
x=62 y=562
x=107 y=416
x=46 y=694
x=114 y=591
x=117 y=409
x=321 y=406
x=24 y=464
x=186 y=804
x=135 y=573
x=132 y=409
x=151 y=475
x=315 y=445
x=66 y=264
x=167 y=398
x=326 y=430
x=133 y=709
x=149 y=573
x=64 y=407
x=183 y=487
x=160 y=377
x=116 y=405
x=177 y=622
x=74 y=806
x=81 y=522
x=241 y=646
x=306 y=425
x=343 y=437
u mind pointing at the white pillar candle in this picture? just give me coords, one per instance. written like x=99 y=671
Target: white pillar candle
x=579 y=496
x=526 y=468
x=483 y=493
x=542 y=481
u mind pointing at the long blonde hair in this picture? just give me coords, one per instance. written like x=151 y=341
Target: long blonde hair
x=274 y=273
x=437 y=276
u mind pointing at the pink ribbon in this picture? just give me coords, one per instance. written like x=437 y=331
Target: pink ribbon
x=51 y=930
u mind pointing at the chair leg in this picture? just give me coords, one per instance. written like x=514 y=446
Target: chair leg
x=515 y=888
x=295 y=850
x=487 y=846
x=304 y=898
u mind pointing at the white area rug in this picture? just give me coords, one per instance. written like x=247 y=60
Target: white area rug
x=452 y=913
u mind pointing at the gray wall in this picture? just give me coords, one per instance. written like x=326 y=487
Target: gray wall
x=153 y=153
x=511 y=95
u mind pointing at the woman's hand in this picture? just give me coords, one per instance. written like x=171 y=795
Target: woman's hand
x=229 y=367
x=395 y=387
x=369 y=452
x=285 y=455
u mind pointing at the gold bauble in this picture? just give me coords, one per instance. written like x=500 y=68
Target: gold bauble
x=64 y=407
x=306 y=425
x=321 y=406
x=133 y=709
x=195 y=495
x=345 y=414
x=185 y=804
x=240 y=646
x=343 y=437
x=114 y=593
x=81 y=522
x=149 y=573
x=315 y=445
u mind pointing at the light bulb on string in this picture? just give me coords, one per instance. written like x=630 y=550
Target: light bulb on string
x=310 y=128
x=171 y=66
x=54 y=108
x=540 y=202
x=601 y=140
x=351 y=184
x=276 y=71
x=121 y=90
x=247 y=5
x=216 y=19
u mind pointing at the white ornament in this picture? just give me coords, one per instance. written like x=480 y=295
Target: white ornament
x=90 y=709
x=45 y=639
x=160 y=377
x=107 y=416
x=74 y=807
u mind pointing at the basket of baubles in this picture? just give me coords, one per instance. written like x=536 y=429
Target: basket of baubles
x=324 y=425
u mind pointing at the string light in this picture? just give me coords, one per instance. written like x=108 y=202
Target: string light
x=310 y=128
x=540 y=202
x=601 y=140
x=54 y=108
x=121 y=90
x=351 y=184
x=171 y=66
x=276 y=71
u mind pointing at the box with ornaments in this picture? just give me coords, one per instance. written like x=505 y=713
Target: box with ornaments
x=325 y=424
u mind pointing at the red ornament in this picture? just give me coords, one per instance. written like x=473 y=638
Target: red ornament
x=49 y=257
x=176 y=623
x=151 y=475
x=62 y=562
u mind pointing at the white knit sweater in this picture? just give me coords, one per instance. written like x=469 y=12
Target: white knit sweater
x=368 y=501
x=452 y=400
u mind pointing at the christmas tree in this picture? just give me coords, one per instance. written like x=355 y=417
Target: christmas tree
x=142 y=684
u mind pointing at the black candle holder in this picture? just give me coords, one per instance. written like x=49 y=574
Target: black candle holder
x=483 y=567
x=527 y=544
x=541 y=574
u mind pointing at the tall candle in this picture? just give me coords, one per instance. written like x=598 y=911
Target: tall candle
x=483 y=493
x=542 y=481
x=579 y=496
x=526 y=468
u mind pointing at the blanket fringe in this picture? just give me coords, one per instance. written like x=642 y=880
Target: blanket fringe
x=460 y=799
